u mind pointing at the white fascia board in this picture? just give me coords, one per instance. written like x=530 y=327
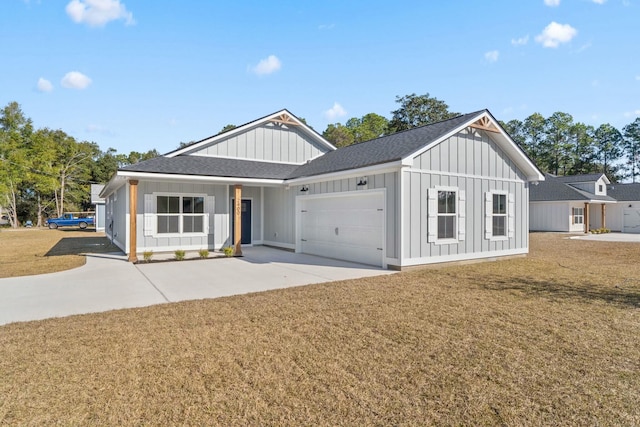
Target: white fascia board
x=313 y=134
x=199 y=178
x=114 y=183
x=350 y=173
x=504 y=141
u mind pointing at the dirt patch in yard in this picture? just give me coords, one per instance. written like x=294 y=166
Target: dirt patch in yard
x=36 y=251
x=551 y=339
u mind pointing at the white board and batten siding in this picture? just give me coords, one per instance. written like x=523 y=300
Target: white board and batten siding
x=281 y=212
x=554 y=216
x=624 y=216
x=268 y=142
x=216 y=207
x=474 y=166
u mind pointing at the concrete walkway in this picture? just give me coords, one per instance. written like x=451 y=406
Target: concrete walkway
x=109 y=282
x=610 y=237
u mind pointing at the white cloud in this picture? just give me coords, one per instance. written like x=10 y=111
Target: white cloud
x=326 y=26
x=599 y=1
x=269 y=65
x=335 y=112
x=554 y=34
x=638 y=77
x=552 y=3
x=520 y=41
x=492 y=56
x=97 y=13
x=632 y=113
x=44 y=85
x=75 y=80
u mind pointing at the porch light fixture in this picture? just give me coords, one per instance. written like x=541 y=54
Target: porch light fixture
x=362 y=181
x=304 y=188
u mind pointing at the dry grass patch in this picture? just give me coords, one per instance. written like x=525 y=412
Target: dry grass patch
x=36 y=251
x=551 y=339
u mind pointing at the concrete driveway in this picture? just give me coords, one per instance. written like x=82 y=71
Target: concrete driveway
x=108 y=282
x=610 y=237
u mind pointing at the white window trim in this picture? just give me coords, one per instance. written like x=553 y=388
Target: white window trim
x=509 y=217
x=432 y=216
x=574 y=216
x=151 y=215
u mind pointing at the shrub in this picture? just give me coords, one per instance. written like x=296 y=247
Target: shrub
x=147 y=256
x=228 y=251
x=204 y=253
x=179 y=254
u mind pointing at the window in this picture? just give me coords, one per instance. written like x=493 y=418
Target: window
x=446 y=214
x=499 y=226
x=180 y=214
x=600 y=188
x=499 y=211
x=578 y=215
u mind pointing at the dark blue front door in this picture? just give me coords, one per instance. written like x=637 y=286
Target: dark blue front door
x=245 y=221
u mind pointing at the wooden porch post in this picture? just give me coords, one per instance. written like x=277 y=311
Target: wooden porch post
x=133 y=216
x=237 y=220
x=604 y=215
x=586 y=217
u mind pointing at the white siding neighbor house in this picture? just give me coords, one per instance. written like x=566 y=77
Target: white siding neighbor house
x=449 y=191
x=580 y=203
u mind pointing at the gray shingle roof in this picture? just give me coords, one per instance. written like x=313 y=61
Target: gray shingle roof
x=377 y=151
x=381 y=150
x=213 y=166
x=624 y=192
x=556 y=189
x=580 y=178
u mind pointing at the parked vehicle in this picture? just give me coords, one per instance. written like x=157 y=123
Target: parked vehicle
x=4 y=220
x=70 y=220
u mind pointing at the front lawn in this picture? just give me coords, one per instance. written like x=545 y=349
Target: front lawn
x=28 y=251
x=551 y=339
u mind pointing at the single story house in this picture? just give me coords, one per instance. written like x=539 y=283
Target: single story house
x=580 y=203
x=449 y=191
x=98 y=204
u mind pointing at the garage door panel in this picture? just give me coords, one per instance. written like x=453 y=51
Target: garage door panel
x=344 y=227
x=631 y=220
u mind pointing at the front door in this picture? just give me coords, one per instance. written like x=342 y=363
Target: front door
x=245 y=221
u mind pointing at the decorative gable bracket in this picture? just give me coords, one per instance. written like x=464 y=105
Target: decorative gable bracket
x=484 y=123
x=285 y=119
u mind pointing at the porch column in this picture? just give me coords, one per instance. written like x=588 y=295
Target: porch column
x=586 y=217
x=604 y=215
x=237 y=220
x=133 y=223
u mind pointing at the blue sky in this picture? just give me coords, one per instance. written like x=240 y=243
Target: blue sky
x=139 y=74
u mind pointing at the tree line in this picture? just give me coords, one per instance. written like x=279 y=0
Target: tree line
x=45 y=172
x=557 y=144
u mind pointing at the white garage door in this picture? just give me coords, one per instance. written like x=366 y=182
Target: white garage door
x=631 y=220
x=350 y=227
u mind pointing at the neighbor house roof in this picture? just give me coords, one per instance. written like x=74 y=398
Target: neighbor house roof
x=575 y=179
x=624 y=192
x=555 y=188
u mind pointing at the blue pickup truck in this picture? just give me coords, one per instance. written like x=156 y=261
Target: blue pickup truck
x=70 y=220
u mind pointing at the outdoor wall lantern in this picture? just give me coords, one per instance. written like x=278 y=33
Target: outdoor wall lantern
x=362 y=181
x=304 y=188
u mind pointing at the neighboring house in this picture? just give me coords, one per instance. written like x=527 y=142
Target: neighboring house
x=450 y=191
x=579 y=203
x=625 y=215
x=99 y=206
